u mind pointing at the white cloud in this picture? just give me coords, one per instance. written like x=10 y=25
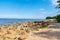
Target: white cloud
x=54 y=2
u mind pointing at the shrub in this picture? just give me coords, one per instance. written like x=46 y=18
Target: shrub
x=48 y=17
x=55 y=17
x=58 y=18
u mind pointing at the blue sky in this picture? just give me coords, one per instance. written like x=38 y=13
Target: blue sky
x=35 y=9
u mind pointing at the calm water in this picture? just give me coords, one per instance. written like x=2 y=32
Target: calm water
x=9 y=21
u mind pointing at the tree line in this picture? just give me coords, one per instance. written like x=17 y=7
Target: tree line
x=57 y=17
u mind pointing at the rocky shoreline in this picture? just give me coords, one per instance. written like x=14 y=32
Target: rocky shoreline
x=20 y=32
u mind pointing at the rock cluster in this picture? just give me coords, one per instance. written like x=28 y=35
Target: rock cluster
x=13 y=33
x=36 y=24
x=18 y=31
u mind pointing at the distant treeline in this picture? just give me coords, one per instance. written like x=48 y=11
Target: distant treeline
x=57 y=17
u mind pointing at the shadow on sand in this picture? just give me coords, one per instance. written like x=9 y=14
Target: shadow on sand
x=49 y=34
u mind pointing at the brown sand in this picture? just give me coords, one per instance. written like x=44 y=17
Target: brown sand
x=52 y=33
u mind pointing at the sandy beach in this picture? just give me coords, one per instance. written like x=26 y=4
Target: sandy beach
x=30 y=31
x=29 y=19
x=52 y=33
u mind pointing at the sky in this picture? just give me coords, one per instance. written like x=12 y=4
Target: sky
x=33 y=9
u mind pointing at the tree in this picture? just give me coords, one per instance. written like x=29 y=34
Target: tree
x=48 y=17
x=58 y=6
x=58 y=1
x=58 y=18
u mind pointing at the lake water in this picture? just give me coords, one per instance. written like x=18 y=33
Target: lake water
x=9 y=21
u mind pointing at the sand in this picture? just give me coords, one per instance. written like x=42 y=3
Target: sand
x=48 y=33
x=52 y=33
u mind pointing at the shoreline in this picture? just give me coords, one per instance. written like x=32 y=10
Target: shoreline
x=20 y=32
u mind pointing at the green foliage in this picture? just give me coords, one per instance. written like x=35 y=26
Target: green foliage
x=58 y=6
x=48 y=17
x=51 y=17
x=58 y=18
x=58 y=1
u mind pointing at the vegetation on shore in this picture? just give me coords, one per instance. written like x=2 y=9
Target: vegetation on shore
x=54 y=17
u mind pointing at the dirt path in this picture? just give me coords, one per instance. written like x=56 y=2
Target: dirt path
x=46 y=34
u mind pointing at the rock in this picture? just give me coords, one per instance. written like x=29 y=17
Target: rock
x=51 y=26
